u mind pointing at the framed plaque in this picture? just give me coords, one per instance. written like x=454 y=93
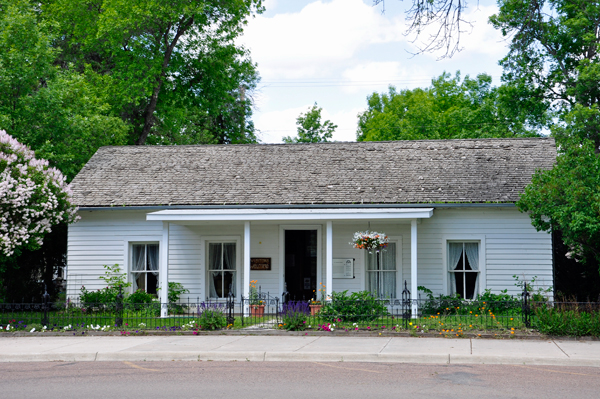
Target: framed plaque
x=260 y=263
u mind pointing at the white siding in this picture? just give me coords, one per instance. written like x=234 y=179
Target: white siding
x=510 y=246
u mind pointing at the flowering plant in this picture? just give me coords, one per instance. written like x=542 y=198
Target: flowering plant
x=369 y=240
x=255 y=297
x=319 y=297
x=33 y=197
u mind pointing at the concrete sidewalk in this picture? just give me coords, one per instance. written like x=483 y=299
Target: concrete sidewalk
x=301 y=348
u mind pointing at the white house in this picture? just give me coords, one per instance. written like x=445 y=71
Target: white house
x=212 y=216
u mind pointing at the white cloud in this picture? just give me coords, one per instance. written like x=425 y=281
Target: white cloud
x=318 y=39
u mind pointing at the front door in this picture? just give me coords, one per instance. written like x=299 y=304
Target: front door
x=301 y=263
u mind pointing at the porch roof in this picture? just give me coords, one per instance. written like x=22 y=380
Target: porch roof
x=289 y=214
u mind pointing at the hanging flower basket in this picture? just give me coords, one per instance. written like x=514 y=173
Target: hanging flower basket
x=369 y=240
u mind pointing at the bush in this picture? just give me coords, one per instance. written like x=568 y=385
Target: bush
x=294 y=315
x=567 y=322
x=139 y=300
x=358 y=306
x=211 y=316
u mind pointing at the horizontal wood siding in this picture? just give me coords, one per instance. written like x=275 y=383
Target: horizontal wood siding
x=100 y=238
x=512 y=247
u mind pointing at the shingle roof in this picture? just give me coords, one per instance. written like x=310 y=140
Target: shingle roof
x=397 y=172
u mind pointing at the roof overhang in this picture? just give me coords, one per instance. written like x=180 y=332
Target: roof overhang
x=180 y=215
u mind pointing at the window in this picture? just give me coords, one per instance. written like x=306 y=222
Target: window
x=381 y=272
x=144 y=267
x=221 y=269
x=463 y=267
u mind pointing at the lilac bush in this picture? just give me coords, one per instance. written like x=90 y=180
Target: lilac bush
x=33 y=197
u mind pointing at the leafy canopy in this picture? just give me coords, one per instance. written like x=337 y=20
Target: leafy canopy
x=553 y=59
x=450 y=108
x=311 y=129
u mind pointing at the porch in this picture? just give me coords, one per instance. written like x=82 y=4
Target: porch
x=248 y=228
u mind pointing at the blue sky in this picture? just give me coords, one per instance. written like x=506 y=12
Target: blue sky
x=337 y=52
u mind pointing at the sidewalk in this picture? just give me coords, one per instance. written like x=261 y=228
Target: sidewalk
x=301 y=348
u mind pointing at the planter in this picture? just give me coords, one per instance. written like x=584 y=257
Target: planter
x=314 y=309
x=257 y=310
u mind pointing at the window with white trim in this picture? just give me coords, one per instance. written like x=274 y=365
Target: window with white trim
x=382 y=272
x=221 y=269
x=144 y=267
x=463 y=268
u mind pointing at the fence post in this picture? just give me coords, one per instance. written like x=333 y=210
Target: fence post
x=406 y=305
x=45 y=300
x=526 y=309
x=230 y=304
x=119 y=308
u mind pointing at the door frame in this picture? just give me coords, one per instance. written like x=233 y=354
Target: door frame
x=282 y=229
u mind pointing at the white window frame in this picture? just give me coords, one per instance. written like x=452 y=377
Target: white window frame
x=238 y=262
x=129 y=265
x=472 y=238
x=399 y=281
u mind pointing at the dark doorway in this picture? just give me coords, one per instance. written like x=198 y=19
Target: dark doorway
x=301 y=263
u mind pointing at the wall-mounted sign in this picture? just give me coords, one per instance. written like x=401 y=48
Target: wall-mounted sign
x=343 y=268
x=260 y=263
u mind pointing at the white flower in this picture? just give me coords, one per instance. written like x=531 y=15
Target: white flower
x=32 y=330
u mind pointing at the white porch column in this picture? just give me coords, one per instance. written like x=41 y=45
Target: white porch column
x=329 y=259
x=413 y=266
x=246 y=280
x=164 y=270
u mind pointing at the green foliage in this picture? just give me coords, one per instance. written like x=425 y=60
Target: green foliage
x=448 y=109
x=176 y=290
x=559 y=321
x=294 y=321
x=174 y=71
x=311 y=129
x=138 y=300
x=433 y=305
x=554 y=59
x=114 y=280
x=357 y=306
x=212 y=318
x=566 y=198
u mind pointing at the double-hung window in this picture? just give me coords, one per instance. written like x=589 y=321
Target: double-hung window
x=144 y=267
x=221 y=269
x=463 y=268
x=381 y=272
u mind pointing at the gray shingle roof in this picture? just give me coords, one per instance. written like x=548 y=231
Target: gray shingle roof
x=398 y=172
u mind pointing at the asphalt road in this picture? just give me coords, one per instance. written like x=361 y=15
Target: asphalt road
x=107 y=380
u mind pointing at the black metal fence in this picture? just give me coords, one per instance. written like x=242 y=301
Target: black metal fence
x=444 y=314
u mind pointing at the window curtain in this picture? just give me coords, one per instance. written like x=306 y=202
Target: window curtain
x=138 y=264
x=214 y=263
x=229 y=264
x=472 y=251
x=388 y=273
x=454 y=252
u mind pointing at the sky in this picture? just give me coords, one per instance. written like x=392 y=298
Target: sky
x=338 y=52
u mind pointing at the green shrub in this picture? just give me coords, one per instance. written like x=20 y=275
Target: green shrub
x=358 y=306
x=294 y=315
x=212 y=318
x=567 y=322
x=139 y=300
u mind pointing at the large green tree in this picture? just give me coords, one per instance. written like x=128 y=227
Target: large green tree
x=311 y=129
x=449 y=108
x=59 y=113
x=173 y=68
x=554 y=59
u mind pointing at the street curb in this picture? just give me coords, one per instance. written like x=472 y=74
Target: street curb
x=260 y=356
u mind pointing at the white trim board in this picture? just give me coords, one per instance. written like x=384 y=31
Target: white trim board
x=173 y=215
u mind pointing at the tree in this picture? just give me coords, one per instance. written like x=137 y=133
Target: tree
x=446 y=18
x=63 y=115
x=33 y=197
x=171 y=67
x=554 y=59
x=447 y=109
x=311 y=129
